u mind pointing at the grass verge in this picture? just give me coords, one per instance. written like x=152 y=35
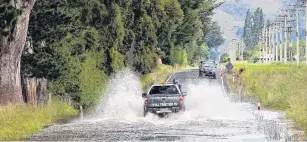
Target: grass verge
x=160 y=74
x=277 y=86
x=20 y=121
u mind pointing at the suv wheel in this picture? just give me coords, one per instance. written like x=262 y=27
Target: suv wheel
x=200 y=74
x=214 y=77
x=145 y=113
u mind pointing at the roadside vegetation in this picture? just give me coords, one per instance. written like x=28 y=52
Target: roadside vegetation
x=276 y=86
x=20 y=121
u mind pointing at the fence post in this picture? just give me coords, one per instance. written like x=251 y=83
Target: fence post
x=233 y=77
x=49 y=98
x=69 y=100
x=81 y=112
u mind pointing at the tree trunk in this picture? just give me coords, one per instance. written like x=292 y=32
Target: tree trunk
x=34 y=90
x=11 y=47
x=29 y=90
x=41 y=91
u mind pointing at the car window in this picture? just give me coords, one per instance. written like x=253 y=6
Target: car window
x=167 y=89
x=208 y=65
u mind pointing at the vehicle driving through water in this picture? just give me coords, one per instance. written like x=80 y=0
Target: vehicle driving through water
x=208 y=68
x=164 y=98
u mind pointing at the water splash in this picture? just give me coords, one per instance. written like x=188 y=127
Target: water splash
x=122 y=99
x=206 y=101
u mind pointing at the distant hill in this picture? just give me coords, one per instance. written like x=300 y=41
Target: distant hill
x=231 y=15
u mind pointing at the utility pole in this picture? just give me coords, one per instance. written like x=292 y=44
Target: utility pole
x=286 y=30
x=286 y=39
x=305 y=3
x=242 y=50
x=233 y=50
x=276 y=41
x=280 y=21
x=306 y=30
x=239 y=50
x=273 y=43
x=297 y=6
x=270 y=44
x=262 y=44
x=297 y=38
x=266 y=45
x=281 y=43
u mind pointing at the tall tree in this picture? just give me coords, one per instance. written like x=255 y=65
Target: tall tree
x=261 y=19
x=14 y=18
x=248 y=29
x=214 y=36
x=256 y=26
x=252 y=28
x=268 y=23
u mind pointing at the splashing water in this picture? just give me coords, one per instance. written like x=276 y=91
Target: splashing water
x=122 y=99
x=208 y=101
x=205 y=101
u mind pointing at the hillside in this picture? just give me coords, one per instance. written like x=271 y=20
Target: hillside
x=231 y=15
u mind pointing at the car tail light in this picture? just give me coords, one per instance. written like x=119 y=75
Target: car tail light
x=181 y=99
x=181 y=102
x=146 y=100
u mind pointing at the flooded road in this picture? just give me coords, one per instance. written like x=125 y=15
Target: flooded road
x=210 y=116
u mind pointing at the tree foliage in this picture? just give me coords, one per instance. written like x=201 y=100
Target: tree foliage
x=224 y=58
x=197 y=27
x=78 y=44
x=253 y=26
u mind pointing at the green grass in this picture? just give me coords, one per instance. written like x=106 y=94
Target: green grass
x=20 y=121
x=277 y=86
x=159 y=75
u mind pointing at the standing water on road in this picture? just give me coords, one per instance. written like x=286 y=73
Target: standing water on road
x=210 y=115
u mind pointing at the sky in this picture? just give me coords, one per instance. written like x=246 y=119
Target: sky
x=231 y=14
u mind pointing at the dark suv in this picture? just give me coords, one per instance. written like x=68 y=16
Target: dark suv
x=163 y=99
x=207 y=69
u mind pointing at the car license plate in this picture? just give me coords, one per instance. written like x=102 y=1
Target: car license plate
x=164 y=109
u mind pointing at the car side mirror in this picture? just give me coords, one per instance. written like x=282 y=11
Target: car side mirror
x=184 y=94
x=144 y=95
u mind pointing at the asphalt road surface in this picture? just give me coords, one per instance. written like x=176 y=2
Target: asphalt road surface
x=211 y=115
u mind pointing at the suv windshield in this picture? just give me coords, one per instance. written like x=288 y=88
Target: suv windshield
x=167 y=89
x=208 y=65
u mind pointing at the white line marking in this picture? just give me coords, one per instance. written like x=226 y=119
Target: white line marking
x=175 y=73
x=170 y=77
